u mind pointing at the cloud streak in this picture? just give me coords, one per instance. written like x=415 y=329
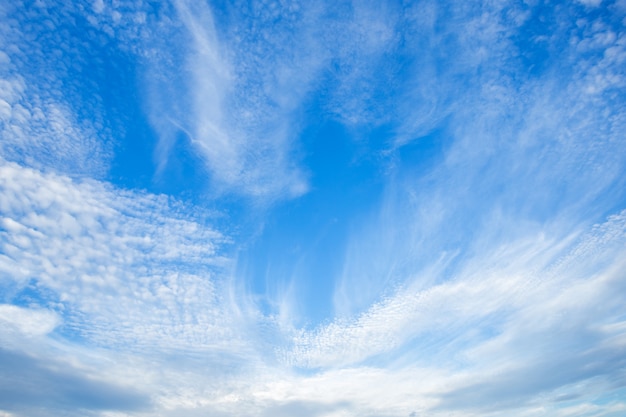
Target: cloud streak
x=244 y=92
x=515 y=278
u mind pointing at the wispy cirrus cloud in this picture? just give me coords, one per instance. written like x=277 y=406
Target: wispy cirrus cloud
x=506 y=157
x=467 y=247
x=495 y=329
x=482 y=286
x=238 y=98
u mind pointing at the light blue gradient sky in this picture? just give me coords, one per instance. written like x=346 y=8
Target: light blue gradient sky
x=312 y=209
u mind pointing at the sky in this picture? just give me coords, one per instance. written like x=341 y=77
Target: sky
x=314 y=209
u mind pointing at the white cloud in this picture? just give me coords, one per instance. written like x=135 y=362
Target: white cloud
x=236 y=101
x=495 y=328
x=98 y=6
x=501 y=154
x=592 y=3
x=39 y=109
x=26 y=321
x=121 y=268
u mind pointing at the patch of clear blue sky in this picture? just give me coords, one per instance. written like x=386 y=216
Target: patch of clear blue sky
x=303 y=242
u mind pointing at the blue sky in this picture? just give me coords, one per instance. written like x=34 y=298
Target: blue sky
x=316 y=209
